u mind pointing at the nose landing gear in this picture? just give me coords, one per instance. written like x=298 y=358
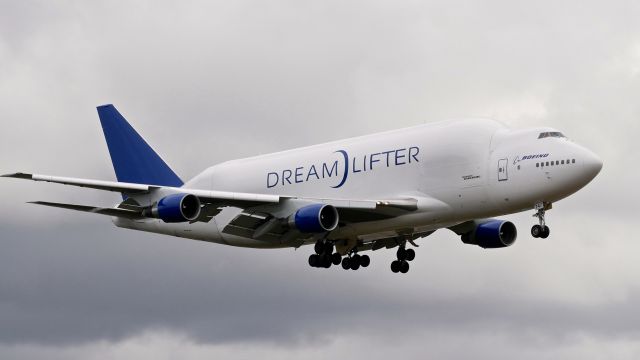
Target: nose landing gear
x=541 y=230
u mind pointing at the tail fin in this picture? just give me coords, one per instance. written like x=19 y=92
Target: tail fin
x=133 y=159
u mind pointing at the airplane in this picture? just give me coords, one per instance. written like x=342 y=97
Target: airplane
x=379 y=191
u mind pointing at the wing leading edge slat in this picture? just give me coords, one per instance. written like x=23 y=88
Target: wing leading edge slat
x=93 y=184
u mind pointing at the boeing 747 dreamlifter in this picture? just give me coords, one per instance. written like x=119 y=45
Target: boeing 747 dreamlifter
x=346 y=197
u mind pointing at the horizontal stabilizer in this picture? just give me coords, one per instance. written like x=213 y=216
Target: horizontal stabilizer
x=123 y=213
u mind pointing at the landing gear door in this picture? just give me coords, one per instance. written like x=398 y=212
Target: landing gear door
x=502 y=170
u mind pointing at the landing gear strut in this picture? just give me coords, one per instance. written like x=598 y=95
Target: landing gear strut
x=541 y=230
x=404 y=256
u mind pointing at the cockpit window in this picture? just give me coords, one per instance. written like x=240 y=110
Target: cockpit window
x=547 y=134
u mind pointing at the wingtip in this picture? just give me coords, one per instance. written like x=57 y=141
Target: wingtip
x=45 y=203
x=18 y=175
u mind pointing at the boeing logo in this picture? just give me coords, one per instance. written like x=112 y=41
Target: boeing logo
x=342 y=166
x=527 y=157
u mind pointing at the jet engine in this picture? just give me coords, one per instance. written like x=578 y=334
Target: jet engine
x=315 y=218
x=492 y=234
x=175 y=208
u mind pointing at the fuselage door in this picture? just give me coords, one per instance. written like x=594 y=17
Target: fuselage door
x=502 y=170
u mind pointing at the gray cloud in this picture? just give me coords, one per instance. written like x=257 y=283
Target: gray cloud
x=211 y=81
x=77 y=285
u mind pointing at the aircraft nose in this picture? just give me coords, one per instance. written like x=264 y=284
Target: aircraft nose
x=592 y=164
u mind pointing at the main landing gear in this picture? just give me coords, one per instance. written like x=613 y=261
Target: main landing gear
x=404 y=256
x=541 y=230
x=325 y=257
x=354 y=261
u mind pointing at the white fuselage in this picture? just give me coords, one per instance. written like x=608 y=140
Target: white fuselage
x=458 y=170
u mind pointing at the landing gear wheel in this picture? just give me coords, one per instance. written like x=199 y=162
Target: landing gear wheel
x=336 y=258
x=545 y=232
x=328 y=247
x=536 y=231
x=314 y=260
x=404 y=267
x=402 y=253
x=346 y=263
x=395 y=266
x=326 y=263
x=411 y=254
x=365 y=260
x=404 y=256
x=355 y=264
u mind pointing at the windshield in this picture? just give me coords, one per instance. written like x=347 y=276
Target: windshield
x=547 y=134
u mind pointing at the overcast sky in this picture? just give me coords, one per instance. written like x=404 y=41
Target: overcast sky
x=210 y=81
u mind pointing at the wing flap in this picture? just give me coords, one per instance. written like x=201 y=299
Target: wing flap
x=123 y=213
x=257 y=225
x=409 y=204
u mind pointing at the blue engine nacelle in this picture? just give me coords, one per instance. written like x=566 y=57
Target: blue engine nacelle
x=315 y=218
x=492 y=234
x=176 y=208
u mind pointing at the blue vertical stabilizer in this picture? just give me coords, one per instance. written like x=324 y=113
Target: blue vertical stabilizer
x=133 y=159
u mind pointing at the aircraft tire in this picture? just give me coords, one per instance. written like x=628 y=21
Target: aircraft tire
x=314 y=260
x=326 y=261
x=346 y=263
x=355 y=264
x=404 y=267
x=365 y=260
x=411 y=254
x=336 y=258
x=545 y=232
x=402 y=254
x=536 y=231
x=395 y=266
x=328 y=247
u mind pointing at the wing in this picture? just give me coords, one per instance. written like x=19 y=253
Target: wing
x=135 y=189
x=351 y=210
